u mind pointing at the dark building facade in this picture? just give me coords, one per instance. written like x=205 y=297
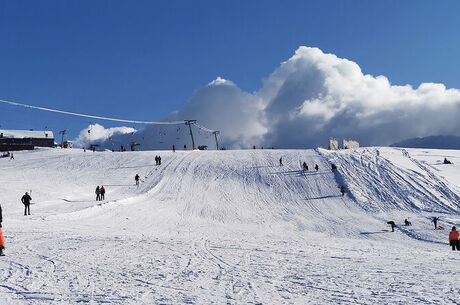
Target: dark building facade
x=13 y=140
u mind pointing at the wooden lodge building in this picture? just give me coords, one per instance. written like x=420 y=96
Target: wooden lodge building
x=13 y=140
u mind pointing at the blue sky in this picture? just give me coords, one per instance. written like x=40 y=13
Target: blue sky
x=143 y=59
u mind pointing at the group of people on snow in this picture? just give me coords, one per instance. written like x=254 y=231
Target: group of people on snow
x=100 y=193
x=157 y=160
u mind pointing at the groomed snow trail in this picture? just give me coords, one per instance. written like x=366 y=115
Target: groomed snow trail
x=229 y=227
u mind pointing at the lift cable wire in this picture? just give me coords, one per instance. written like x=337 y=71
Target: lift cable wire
x=92 y=116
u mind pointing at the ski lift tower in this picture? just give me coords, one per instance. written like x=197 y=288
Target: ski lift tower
x=215 y=133
x=189 y=123
x=63 y=133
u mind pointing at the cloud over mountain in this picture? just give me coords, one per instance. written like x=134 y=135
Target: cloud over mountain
x=313 y=96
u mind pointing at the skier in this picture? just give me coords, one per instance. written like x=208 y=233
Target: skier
x=174 y=148
x=159 y=160
x=316 y=167
x=454 y=239
x=156 y=160
x=102 y=193
x=342 y=190
x=407 y=222
x=137 y=179
x=11 y=156
x=26 y=201
x=2 y=240
x=281 y=161
x=305 y=166
x=435 y=221
x=98 y=193
x=392 y=224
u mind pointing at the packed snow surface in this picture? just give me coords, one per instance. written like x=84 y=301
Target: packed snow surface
x=230 y=227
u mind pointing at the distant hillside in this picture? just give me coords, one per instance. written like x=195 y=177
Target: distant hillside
x=439 y=142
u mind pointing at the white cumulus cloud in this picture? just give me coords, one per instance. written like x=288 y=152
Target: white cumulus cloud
x=310 y=97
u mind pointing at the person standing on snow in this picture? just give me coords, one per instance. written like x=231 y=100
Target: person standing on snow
x=281 y=161
x=156 y=160
x=26 y=201
x=435 y=221
x=98 y=193
x=316 y=167
x=2 y=239
x=454 y=239
x=102 y=192
x=137 y=179
x=159 y=160
x=305 y=166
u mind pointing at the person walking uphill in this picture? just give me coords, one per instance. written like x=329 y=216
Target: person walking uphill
x=454 y=241
x=26 y=201
x=2 y=239
x=137 y=179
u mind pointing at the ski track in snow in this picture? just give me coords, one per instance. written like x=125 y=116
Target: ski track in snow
x=230 y=227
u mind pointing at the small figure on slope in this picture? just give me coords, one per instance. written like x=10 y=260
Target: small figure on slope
x=281 y=161
x=26 y=201
x=174 y=148
x=333 y=167
x=342 y=190
x=446 y=161
x=407 y=222
x=392 y=224
x=137 y=179
x=98 y=193
x=102 y=192
x=454 y=239
x=305 y=166
x=2 y=239
x=316 y=167
x=435 y=221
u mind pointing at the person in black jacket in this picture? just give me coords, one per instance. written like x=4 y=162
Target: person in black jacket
x=26 y=201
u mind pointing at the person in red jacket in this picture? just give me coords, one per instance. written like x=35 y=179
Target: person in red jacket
x=2 y=240
x=454 y=239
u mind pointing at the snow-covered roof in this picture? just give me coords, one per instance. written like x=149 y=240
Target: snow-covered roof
x=21 y=134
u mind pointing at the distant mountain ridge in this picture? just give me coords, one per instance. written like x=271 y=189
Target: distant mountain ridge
x=439 y=142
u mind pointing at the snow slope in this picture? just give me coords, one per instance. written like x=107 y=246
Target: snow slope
x=230 y=227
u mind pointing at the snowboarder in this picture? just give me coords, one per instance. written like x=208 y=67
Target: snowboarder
x=435 y=221
x=305 y=166
x=2 y=240
x=98 y=193
x=447 y=161
x=316 y=167
x=342 y=190
x=454 y=239
x=407 y=222
x=26 y=201
x=281 y=161
x=392 y=224
x=137 y=179
x=102 y=193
